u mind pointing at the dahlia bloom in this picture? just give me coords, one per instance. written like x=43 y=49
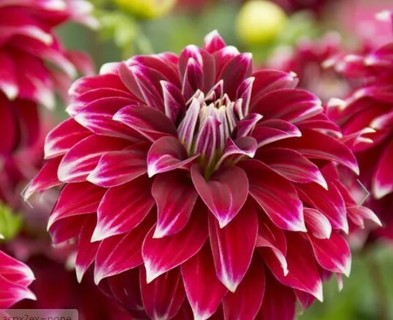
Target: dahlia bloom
x=197 y=187
x=307 y=60
x=33 y=66
x=15 y=277
x=366 y=119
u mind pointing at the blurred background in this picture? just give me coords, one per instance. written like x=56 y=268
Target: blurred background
x=289 y=34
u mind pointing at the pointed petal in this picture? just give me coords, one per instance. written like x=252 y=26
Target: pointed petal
x=327 y=201
x=246 y=301
x=175 y=197
x=233 y=248
x=63 y=137
x=76 y=199
x=333 y=254
x=174 y=103
x=383 y=178
x=333 y=149
x=273 y=244
x=204 y=291
x=224 y=193
x=317 y=224
x=87 y=250
x=273 y=130
x=46 y=178
x=96 y=116
x=164 y=254
x=303 y=273
x=148 y=121
x=293 y=105
x=118 y=167
x=123 y=208
x=214 y=42
x=121 y=253
x=163 y=297
x=292 y=165
x=79 y=161
x=269 y=189
x=268 y=80
x=167 y=154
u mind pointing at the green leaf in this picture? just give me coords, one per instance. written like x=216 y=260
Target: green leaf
x=10 y=223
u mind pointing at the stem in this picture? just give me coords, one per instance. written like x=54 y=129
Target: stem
x=377 y=280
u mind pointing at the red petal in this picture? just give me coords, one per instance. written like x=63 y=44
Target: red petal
x=273 y=130
x=87 y=250
x=317 y=224
x=76 y=199
x=63 y=137
x=204 y=291
x=214 y=42
x=224 y=193
x=246 y=301
x=267 y=80
x=293 y=105
x=121 y=253
x=167 y=154
x=148 y=121
x=79 y=161
x=279 y=301
x=333 y=254
x=163 y=297
x=164 y=254
x=333 y=149
x=118 y=167
x=232 y=247
x=96 y=116
x=292 y=165
x=273 y=244
x=329 y=202
x=303 y=271
x=123 y=208
x=276 y=196
x=175 y=198
x=383 y=178
x=46 y=178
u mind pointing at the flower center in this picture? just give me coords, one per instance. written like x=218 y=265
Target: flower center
x=208 y=122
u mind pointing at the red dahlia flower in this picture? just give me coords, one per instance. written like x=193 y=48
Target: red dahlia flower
x=197 y=187
x=366 y=118
x=307 y=61
x=33 y=65
x=33 y=62
x=15 y=277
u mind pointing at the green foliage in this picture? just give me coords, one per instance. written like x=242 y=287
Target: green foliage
x=10 y=223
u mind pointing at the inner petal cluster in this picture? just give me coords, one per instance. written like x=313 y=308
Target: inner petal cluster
x=209 y=121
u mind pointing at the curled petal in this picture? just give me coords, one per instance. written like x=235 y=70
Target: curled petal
x=317 y=224
x=118 y=167
x=123 y=208
x=224 y=193
x=167 y=154
x=175 y=197
x=171 y=255
x=269 y=189
x=146 y=120
x=79 y=161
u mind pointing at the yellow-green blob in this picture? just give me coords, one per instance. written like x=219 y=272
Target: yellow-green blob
x=146 y=9
x=10 y=223
x=259 y=22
